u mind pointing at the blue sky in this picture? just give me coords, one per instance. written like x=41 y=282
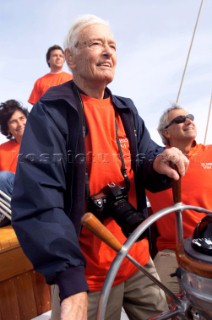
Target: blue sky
x=153 y=39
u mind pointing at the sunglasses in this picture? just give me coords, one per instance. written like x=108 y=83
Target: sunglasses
x=180 y=119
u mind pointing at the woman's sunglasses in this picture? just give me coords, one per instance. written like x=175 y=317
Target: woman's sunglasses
x=180 y=119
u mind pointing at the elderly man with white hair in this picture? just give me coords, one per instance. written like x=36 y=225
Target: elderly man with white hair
x=85 y=143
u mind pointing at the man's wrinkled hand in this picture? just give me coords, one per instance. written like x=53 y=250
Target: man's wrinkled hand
x=169 y=158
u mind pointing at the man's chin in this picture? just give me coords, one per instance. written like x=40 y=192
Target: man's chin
x=107 y=78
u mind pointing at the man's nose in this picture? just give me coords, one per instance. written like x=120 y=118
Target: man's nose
x=188 y=120
x=108 y=51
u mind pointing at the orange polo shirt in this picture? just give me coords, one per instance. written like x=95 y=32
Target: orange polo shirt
x=196 y=191
x=104 y=165
x=9 y=152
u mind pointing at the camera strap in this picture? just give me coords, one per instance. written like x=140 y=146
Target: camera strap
x=123 y=168
x=84 y=129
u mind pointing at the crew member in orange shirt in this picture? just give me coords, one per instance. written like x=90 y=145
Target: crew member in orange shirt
x=12 y=124
x=177 y=129
x=55 y=60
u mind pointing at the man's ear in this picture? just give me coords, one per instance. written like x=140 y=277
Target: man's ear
x=166 y=133
x=69 y=59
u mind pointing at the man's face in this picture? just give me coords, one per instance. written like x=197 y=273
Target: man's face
x=56 y=59
x=16 y=124
x=180 y=132
x=95 y=58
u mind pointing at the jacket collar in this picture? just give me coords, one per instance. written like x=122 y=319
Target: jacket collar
x=68 y=92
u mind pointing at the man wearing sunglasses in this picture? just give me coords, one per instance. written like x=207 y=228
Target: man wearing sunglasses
x=177 y=129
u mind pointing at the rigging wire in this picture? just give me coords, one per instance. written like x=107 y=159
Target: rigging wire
x=209 y=112
x=187 y=59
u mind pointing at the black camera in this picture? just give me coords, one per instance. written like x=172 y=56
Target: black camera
x=112 y=201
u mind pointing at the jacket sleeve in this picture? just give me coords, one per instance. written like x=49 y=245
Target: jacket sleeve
x=46 y=233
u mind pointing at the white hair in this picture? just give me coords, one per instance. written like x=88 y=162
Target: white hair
x=79 y=24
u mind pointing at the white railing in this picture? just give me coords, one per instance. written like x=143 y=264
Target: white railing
x=5 y=207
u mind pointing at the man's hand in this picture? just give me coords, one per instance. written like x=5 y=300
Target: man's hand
x=173 y=156
x=75 y=307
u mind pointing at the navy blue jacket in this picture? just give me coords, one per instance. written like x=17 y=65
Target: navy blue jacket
x=49 y=191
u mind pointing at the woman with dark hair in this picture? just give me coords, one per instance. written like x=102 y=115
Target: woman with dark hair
x=13 y=119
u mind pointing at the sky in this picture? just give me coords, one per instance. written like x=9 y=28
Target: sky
x=153 y=40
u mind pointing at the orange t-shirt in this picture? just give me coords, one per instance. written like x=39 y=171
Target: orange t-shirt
x=196 y=190
x=9 y=152
x=45 y=82
x=104 y=164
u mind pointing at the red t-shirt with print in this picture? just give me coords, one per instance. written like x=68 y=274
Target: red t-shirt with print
x=196 y=190
x=104 y=166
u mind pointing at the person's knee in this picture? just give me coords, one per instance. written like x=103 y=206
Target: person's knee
x=6 y=175
x=6 y=182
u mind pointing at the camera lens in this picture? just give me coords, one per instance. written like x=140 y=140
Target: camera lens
x=127 y=217
x=112 y=201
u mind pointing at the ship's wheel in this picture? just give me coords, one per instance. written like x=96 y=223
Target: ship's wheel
x=194 y=257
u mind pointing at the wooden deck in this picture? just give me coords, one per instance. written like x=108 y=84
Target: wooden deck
x=24 y=293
